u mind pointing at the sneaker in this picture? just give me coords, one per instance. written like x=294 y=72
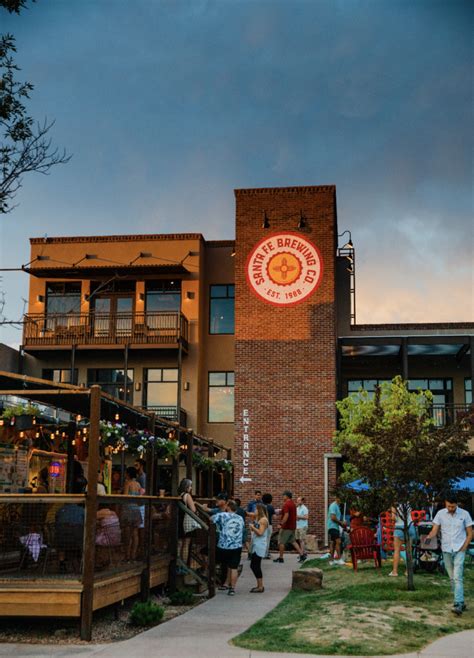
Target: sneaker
x=463 y=607
x=280 y=560
x=457 y=609
x=231 y=591
x=302 y=558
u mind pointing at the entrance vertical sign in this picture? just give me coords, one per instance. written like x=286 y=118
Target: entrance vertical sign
x=246 y=447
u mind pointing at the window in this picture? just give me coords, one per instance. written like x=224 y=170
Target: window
x=221 y=309
x=468 y=391
x=163 y=296
x=112 y=381
x=60 y=375
x=161 y=390
x=221 y=397
x=354 y=386
x=62 y=298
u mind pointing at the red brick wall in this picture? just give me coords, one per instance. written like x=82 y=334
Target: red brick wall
x=286 y=356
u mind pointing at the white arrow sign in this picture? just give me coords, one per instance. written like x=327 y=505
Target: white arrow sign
x=242 y=480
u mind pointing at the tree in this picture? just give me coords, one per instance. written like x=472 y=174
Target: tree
x=26 y=145
x=391 y=442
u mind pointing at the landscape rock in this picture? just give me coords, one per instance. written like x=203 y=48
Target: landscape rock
x=307 y=579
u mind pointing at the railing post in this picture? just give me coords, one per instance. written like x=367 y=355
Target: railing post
x=145 y=577
x=210 y=472
x=174 y=548
x=211 y=573
x=189 y=455
x=91 y=517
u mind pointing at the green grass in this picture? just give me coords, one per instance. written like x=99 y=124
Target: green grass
x=363 y=613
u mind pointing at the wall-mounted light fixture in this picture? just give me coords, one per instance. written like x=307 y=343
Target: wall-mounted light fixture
x=141 y=296
x=40 y=299
x=138 y=386
x=265 y=223
x=86 y=297
x=189 y=294
x=186 y=386
x=232 y=253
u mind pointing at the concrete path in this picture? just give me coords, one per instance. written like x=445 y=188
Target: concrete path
x=205 y=631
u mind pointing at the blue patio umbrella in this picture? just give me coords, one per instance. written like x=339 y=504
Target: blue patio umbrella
x=358 y=485
x=464 y=484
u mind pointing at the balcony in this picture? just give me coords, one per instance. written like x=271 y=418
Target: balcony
x=84 y=329
x=447 y=414
x=170 y=413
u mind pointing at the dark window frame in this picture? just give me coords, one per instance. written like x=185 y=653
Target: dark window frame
x=230 y=288
x=226 y=385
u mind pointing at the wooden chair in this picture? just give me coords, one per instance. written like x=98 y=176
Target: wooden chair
x=364 y=546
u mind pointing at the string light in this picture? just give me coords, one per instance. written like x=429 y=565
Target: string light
x=52 y=436
x=2 y=422
x=34 y=420
x=37 y=435
x=78 y=418
x=22 y=435
x=74 y=442
x=117 y=416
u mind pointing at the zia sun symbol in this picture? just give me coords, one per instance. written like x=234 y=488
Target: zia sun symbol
x=284 y=268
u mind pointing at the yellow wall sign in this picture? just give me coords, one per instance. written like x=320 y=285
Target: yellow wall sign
x=284 y=269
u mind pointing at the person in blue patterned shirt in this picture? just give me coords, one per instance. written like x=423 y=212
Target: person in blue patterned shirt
x=230 y=527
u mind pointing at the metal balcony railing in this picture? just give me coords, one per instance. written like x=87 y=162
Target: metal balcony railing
x=104 y=329
x=170 y=413
x=447 y=414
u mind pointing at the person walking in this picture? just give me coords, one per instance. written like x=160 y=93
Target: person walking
x=302 y=515
x=267 y=499
x=229 y=544
x=456 y=535
x=287 y=528
x=334 y=525
x=258 y=545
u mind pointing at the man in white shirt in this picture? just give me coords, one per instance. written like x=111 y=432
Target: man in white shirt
x=456 y=535
x=302 y=514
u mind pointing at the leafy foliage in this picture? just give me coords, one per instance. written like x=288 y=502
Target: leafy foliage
x=20 y=410
x=25 y=145
x=146 y=614
x=181 y=597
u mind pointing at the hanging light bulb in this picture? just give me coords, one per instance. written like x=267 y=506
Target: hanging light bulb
x=52 y=436
x=74 y=442
x=2 y=422
x=117 y=416
x=34 y=420
x=37 y=435
x=78 y=418
x=22 y=435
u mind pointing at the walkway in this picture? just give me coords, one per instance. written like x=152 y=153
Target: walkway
x=205 y=631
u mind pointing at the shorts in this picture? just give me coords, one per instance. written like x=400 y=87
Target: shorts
x=229 y=557
x=334 y=534
x=286 y=536
x=398 y=533
x=300 y=534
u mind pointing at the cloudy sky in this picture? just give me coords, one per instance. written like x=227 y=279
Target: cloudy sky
x=167 y=106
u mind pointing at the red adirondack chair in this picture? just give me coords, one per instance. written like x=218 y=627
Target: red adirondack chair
x=364 y=546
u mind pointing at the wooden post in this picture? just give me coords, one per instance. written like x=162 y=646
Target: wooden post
x=174 y=476
x=91 y=517
x=210 y=472
x=230 y=476
x=145 y=577
x=71 y=435
x=173 y=548
x=189 y=456
x=211 y=569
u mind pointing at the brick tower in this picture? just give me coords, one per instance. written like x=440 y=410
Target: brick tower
x=285 y=342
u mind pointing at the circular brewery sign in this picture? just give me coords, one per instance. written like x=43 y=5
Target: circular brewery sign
x=284 y=269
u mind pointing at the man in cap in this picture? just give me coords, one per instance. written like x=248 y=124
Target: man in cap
x=287 y=528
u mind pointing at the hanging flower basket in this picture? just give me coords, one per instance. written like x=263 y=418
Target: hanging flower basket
x=224 y=465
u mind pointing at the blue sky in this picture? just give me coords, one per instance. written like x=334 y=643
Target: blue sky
x=169 y=106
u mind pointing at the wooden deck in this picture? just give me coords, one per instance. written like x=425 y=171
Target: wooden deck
x=62 y=598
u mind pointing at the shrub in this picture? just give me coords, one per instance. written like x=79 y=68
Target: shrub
x=146 y=614
x=181 y=597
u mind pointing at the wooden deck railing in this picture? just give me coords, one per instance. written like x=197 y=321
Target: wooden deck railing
x=105 y=329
